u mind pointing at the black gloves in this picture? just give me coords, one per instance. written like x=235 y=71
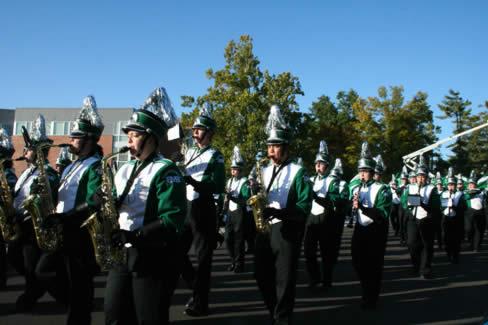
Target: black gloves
x=143 y=236
x=200 y=187
x=372 y=213
x=270 y=213
x=425 y=207
x=53 y=220
x=121 y=237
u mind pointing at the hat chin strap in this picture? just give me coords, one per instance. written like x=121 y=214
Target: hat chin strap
x=143 y=144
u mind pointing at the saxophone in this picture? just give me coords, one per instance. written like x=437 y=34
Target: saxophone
x=40 y=205
x=258 y=201
x=102 y=223
x=7 y=210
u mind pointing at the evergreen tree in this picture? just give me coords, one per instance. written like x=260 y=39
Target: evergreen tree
x=455 y=107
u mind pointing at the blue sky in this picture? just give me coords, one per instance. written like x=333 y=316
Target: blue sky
x=53 y=53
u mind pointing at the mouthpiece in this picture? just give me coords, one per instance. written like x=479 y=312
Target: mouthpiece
x=124 y=149
x=20 y=158
x=64 y=145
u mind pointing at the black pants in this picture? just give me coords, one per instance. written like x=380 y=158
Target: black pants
x=200 y=230
x=368 y=255
x=34 y=260
x=327 y=235
x=453 y=235
x=403 y=218
x=249 y=230
x=3 y=263
x=438 y=232
x=234 y=236
x=395 y=218
x=421 y=243
x=276 y=263
x=474 y=227
x=142 y=298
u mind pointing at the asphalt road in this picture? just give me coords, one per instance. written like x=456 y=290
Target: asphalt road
x=457 y=295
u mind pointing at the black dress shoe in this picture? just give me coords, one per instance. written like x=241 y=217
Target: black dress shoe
x=368 y=305
x=196 y=312
x=231 y=267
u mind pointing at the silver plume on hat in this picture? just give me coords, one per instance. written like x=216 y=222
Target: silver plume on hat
x=379 y=162
x=393 y=179
x=365 y=153
x=275 y=120
x=338 y=166
x=236 y=156
x=159 y=104
x=5 y=140
x=438 y=175
x=206 y=110
x=89 y=112
x=450 y=172
x=38 y=129
x=63 y=155
x=323 y=148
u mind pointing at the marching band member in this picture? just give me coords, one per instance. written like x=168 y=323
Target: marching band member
x=63 y=160
x=6 y=152
x=205 y=176
x=372 y=203
x=452 y=212
x=151 y=194
x=27 y=184
x=288 y=205
x=326 y=221
x=402 y=215
x=77 y=200
x=421 y=203
x=475 y=221
x=237 y=193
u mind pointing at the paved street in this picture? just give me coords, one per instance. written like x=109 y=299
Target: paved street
x=457 y=295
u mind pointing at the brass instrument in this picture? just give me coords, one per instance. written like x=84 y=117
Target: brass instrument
x=258 y=201
x=41 y=204
x=7 y=210
x=102 y=223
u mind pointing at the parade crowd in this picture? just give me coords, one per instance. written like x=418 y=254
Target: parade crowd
x=62 y=226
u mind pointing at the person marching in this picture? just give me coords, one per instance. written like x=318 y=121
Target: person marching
x=372 y=203
x=26 y=185
x=379 y=169
x=452 y=211
x=395 y=206
x=288 y=199
x=460 y=183
x=421 y=202
x=326 y=221
x=402 y=216
x=237 y=193
x=77 y=200
x=475 y=221
x=63 y=160
x=150 y=193
x=438 y=232
x=8 y=174
x=205 y=177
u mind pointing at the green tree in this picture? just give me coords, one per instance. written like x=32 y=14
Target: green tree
x=455 y=107
x=241 y=96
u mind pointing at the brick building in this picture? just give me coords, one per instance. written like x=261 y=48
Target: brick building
x=58 y=126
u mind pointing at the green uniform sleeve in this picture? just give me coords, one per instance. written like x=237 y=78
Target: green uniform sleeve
x=89 y=184
x=404 y=198
x=245 y=192
x=301 y=201
x=383 y=201
x=171 y=198
x=214 y=176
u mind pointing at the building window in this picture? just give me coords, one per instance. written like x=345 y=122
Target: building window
x=120 y=140
x=59 y=128
x=19 y=124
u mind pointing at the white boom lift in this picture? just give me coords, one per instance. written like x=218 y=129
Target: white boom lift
x=409 y=160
